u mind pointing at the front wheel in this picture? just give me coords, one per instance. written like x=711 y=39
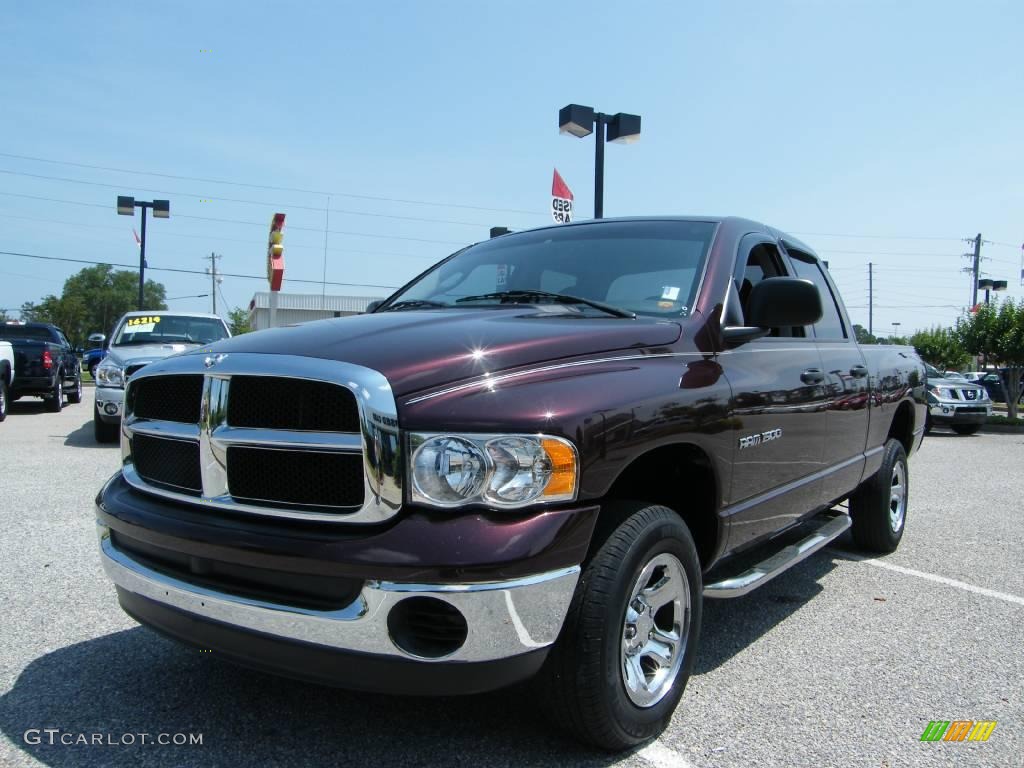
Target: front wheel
x=966 y=429
x=878 y=508
x=3 y=398
x=629 y=641
x=102 y=431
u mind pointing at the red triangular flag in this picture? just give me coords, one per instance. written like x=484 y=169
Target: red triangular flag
x=137 y=241
x=559 y=188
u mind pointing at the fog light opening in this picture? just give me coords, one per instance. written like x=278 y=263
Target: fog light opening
x=427 y=627
x=110 y=409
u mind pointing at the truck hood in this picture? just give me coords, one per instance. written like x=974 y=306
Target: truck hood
x=420 y=349
x=145 y=353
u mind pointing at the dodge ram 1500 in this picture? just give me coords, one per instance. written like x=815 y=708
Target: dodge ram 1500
x=535 y=460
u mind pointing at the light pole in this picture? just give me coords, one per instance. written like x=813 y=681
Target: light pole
x=991 y=285
x=161 y=210
x=895 y=329
x=621 y=128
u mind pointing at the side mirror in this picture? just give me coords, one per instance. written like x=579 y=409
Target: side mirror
x=97 y=338
x=776 y=302
x=372 y=306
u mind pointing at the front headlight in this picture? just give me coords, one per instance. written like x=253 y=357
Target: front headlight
x=499 y=470
x=942 y=392
x=109 y=374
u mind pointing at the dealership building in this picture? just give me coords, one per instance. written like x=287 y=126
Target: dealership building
x=302 y=307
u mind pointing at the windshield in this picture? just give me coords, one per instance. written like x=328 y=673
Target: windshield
x=169 y=329
x=933 y=372
x=647 y=267
x=8 y=332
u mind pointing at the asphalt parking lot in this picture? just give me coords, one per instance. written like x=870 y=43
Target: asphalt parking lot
x=839 y=662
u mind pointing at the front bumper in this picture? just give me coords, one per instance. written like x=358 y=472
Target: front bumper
x=510 y=580
x=109 y=402
x=959 y=412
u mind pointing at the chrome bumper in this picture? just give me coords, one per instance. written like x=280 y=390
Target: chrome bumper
x=109 y=400
x=504 y=619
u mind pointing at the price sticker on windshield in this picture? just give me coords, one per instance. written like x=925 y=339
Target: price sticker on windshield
x=145 y=324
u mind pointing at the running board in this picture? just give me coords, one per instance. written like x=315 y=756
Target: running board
x=787 y=557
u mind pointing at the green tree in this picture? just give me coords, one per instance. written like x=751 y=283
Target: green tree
x=93 y=300
x=996 y=332
x=862 y=335
x=238 y=321
x=941 y=347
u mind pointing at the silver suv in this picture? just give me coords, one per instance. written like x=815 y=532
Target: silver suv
x=956 y=402
x=140 y=338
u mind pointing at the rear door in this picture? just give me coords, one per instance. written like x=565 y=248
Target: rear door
x=847 y=383
x=778 y=406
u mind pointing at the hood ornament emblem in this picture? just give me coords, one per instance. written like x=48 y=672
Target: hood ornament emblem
x=212 y=360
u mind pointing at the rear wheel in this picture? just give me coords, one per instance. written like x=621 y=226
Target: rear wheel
x=75 y=394
x=966 y=429
x=102 y=431
x=3 y=397
x=878 y=507
x=55 y=402
x=629 y=641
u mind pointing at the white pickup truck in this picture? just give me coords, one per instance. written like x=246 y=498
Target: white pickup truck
x=6 y=375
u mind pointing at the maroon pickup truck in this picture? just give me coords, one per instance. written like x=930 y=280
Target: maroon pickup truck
x=535 y=461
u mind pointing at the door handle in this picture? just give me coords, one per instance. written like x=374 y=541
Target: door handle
x=812 y=376
x=859 y=371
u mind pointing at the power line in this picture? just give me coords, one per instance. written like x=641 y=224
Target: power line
x=134 y=267
x=270 y=187
x=252 y=223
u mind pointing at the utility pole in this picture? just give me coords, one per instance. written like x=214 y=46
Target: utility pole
x=871 y=298
x=976 y=271
x=215 y=277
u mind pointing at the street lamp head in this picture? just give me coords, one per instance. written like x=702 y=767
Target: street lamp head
x=161 y=209
x=998 y=285
x=624 y=129
x=984 y=283
x=576 y=119
x=125 y=205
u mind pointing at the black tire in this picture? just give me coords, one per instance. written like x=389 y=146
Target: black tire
x=582 y=683
x=75 y=394
x=873 y=507
x=55 y=401
x=966 y=429
x=927 y=423
x=4 y=401
x=104 y=432
x=92 y=370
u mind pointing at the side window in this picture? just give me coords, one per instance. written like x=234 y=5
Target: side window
x=762 y=261
x=830 y=327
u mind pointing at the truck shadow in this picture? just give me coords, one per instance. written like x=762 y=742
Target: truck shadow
x=85 y=437
x=730 y=626
x=135 y=682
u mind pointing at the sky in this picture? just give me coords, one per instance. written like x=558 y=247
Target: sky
x=393 y=133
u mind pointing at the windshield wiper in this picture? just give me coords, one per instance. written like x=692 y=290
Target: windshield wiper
x=560 y=298
x=413 y=304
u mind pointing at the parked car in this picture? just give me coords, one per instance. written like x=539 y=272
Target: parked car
x=138 y=339
x=91 y=357
x=6 y=376
x=45 y=364
x=535 y=460
x=956 y=402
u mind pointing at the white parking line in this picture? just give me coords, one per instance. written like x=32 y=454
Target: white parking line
x=931 y=577
x=660 y=756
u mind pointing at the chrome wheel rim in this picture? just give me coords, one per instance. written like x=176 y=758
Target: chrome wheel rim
x=3 y=400
x=898 y=498
x=655 y=630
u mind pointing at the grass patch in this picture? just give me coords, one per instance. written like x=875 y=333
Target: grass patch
x=1005 y=421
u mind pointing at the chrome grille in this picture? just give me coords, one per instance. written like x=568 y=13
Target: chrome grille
x=266 y=434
